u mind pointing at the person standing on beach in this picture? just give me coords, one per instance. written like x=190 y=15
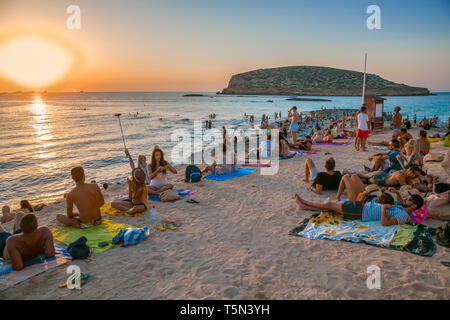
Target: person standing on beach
x=362 y=122
x=396 y=122
x=293 y=114
x=88 y=199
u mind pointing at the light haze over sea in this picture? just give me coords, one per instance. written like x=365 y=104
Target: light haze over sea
x=42 y=136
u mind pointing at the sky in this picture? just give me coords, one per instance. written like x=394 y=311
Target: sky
x=197 y=45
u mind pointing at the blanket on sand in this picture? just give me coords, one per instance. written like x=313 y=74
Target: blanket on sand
x=151 y=197
x=104 y=232
x=10 y=277
x=416 y=239
x=334 y=143
x=223 y=177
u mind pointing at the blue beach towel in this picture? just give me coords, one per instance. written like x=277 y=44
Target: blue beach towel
x=151 y=197
x=9 y=277
x=223 y=177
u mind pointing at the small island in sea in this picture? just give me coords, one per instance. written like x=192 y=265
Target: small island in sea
x=315 y=81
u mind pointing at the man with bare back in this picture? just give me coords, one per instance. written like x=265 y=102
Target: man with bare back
x=29 y=244
x=293 y=114
x=87 y=197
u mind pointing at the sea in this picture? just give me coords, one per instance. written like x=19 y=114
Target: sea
x=44 y=135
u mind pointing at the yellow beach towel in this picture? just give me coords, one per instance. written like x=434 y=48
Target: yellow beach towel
x=95 y=235
x=107 y=209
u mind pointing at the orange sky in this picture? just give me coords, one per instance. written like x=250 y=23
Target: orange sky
x=169 y=46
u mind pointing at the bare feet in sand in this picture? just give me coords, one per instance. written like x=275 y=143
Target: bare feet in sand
x=298 y=203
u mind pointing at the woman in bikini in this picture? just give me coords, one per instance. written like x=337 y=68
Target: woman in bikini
x=158 y=172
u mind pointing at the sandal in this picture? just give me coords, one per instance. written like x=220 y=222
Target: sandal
x=170 y=227
x=160 y=227
x=176 y=222
x=192 y=201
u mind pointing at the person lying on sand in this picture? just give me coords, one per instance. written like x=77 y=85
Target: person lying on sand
x=328 y=180
x=158 y=173
x=382 y=210
x=137 y=191
x=31 y=242
x=395 y=179
x=87 y=197
x=228 y=162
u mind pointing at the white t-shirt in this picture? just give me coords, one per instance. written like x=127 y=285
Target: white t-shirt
x=363 y=119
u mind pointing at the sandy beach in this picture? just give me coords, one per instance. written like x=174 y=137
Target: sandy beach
x=234 y=244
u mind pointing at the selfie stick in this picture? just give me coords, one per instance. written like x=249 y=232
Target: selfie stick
x=118 y=117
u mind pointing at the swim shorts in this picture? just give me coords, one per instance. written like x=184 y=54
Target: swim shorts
x=293 y=127
x=314 y=172
x=362 y=134
x=352 y=210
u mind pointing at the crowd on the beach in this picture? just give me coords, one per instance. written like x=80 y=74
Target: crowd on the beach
x=372 y=193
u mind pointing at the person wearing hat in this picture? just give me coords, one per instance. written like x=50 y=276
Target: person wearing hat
x=88 y=199
x=137 y=191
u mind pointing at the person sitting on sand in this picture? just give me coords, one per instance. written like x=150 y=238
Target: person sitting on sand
x=30 y=243
x=328 y=180
x=266 y=147
x=328 y=137
x=137 y=191
x=25 y=206
x=318 y=136
x=424 y=143
x=228 y=162
x=158 y=172
x=87 y=197
x=387 y=161
x=283 y=146
x=6 y=215
x=306 y=144
x=382 y=210
x=404 y=137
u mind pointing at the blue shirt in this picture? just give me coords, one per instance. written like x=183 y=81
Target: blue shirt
x=372 y=212
x=393 y=161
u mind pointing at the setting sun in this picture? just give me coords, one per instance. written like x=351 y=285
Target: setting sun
x=33 y=61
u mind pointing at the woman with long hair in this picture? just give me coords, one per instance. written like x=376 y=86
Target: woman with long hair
x=157 y=170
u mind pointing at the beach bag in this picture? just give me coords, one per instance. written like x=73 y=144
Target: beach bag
x=420 y=214
x=192 y=174
x=79 y=249
x=443 y=235
x=169 y=195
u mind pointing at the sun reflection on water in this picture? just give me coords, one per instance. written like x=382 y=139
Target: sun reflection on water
x=42 y=129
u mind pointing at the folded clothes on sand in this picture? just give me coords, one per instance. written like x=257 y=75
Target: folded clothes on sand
x=416 y=239
x=223 y=177
x=8 y=277
x=104 y=232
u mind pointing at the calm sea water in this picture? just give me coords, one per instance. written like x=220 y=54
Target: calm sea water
x=42 y=136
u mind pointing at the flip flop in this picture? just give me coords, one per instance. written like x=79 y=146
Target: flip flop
x=160 y=227
x=192 y=201
x=176 y=222
x=169 y=226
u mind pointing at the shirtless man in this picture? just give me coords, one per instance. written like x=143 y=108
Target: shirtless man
x=396 y=122
x=25 y=246
x=293 y=114
x=396 y=178
x=87 y=197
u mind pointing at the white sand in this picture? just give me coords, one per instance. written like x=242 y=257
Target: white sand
x=235 y=245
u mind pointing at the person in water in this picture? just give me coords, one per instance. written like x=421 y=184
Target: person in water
x=87 y=197
x=137 y=191
x=158 y=172
x=27 y=243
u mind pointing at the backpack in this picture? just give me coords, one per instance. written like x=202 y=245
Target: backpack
x=192 y=174
x=79 y=249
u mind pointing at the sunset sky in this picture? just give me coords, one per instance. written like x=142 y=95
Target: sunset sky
x=197 y=45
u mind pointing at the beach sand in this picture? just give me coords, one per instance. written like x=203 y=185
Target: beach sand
x=234 y=244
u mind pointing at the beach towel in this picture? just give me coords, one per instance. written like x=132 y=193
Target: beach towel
x=256 y=165
x=131 y=236
x=107 y=209
x=334 y=143
x=223 y=177
x=151 y=197
x=9 y=277
x=104 y=232
x=416 y=238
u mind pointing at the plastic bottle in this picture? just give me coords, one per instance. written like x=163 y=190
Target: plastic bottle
x=153 y=213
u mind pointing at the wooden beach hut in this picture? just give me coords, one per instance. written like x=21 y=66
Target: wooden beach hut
x=374 y=105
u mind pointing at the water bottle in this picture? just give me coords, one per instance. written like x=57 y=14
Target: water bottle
x=153 y=213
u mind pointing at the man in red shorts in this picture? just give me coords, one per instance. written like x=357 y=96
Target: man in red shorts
x=362 y=121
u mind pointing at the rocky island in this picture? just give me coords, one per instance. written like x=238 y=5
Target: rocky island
x=315 y=81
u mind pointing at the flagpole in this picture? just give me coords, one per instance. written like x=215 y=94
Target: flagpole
x=364 y=79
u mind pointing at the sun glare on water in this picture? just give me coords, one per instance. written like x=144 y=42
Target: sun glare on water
x=34 y=61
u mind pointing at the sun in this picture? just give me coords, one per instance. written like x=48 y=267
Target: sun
x=34 y=61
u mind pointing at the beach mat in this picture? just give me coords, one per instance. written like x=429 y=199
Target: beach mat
x=223 y=177
x=334 y=143
x=151 y=197
x=14 y=277
x=416 y=239
x=95 y=235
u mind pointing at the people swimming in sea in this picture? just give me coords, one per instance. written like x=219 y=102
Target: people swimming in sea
x=158 y=169
x=88 y=199
x=26 y=243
